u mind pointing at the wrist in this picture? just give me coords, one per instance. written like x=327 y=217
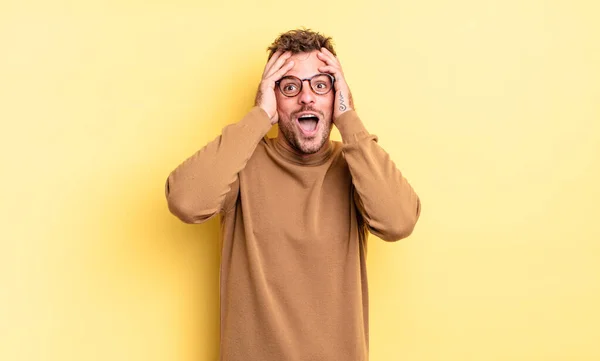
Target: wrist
x=272 y=118
x=265 y=110
x=350 y=126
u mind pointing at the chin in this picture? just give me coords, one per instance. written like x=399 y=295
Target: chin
x=309 y=150
x=310 y=147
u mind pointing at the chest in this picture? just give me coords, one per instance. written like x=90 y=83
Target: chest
x=296 y=203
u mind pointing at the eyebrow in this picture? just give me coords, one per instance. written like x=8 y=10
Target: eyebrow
x=303 y=79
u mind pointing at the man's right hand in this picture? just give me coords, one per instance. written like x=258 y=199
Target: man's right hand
x=276 y=67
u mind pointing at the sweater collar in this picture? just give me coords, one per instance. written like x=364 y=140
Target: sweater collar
x=292 y=155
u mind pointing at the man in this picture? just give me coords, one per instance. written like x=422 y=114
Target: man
x=295 y=211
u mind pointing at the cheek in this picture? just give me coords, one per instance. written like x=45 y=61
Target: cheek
x=327 y=104
x=278 y=100
x=284 y=105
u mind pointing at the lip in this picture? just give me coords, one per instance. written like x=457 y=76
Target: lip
x=308 y=134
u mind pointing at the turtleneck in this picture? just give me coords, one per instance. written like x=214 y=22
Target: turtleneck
x=293 y=276
x=294 y=156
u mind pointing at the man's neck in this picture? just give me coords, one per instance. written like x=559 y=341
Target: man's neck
x=285 y=144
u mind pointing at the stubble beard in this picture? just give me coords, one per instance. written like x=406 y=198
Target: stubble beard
x=295 y=138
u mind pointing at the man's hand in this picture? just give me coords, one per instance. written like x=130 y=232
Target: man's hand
x=343 y=98
x=276 y=67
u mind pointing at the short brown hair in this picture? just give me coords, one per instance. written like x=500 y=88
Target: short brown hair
x=301 y=41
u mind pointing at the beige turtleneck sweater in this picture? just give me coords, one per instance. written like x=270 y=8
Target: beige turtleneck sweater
x=293 y=275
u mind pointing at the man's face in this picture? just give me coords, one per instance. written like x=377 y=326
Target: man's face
x=305 y=119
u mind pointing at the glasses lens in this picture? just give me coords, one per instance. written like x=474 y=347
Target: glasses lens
x=321 y=84
x=290 y=86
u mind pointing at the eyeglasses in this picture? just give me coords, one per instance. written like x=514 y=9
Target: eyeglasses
x=290 y=86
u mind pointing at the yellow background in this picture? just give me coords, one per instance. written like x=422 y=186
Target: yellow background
x=490 y=109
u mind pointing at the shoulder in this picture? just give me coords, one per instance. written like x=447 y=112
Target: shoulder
x=261 y=153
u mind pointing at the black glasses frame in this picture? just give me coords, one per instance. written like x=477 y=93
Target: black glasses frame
x=278 y=82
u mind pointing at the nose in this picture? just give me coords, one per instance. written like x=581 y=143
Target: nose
x=306 y=96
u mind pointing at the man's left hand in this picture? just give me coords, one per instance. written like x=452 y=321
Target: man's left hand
x=343 y=98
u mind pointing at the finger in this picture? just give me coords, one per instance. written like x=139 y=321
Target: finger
x=281 y=72
x=330 y=69
x=278 y=64
x=325 y=58
x=273 y=59
x=326 y=54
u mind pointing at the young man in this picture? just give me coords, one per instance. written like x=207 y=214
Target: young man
x=295 y=211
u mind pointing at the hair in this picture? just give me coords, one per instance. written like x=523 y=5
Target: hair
x=301 y=41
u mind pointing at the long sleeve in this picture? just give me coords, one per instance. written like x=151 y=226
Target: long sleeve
x=207 y=182
x=385 y=199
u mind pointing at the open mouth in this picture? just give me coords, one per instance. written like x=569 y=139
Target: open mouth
x=308 y=123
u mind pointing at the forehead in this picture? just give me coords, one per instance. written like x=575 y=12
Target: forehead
x=305 y=64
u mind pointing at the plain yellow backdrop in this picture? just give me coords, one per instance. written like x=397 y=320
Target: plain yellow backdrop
x=490 y=109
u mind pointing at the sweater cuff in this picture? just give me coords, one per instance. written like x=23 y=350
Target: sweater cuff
x=257 y=120
x=351 y=127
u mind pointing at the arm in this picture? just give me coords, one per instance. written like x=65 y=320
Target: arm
x=386 y=201
x=198 y=189
x=207 y=182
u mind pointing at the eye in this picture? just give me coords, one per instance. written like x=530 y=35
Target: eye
x=321 y=85
x=289 y=88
